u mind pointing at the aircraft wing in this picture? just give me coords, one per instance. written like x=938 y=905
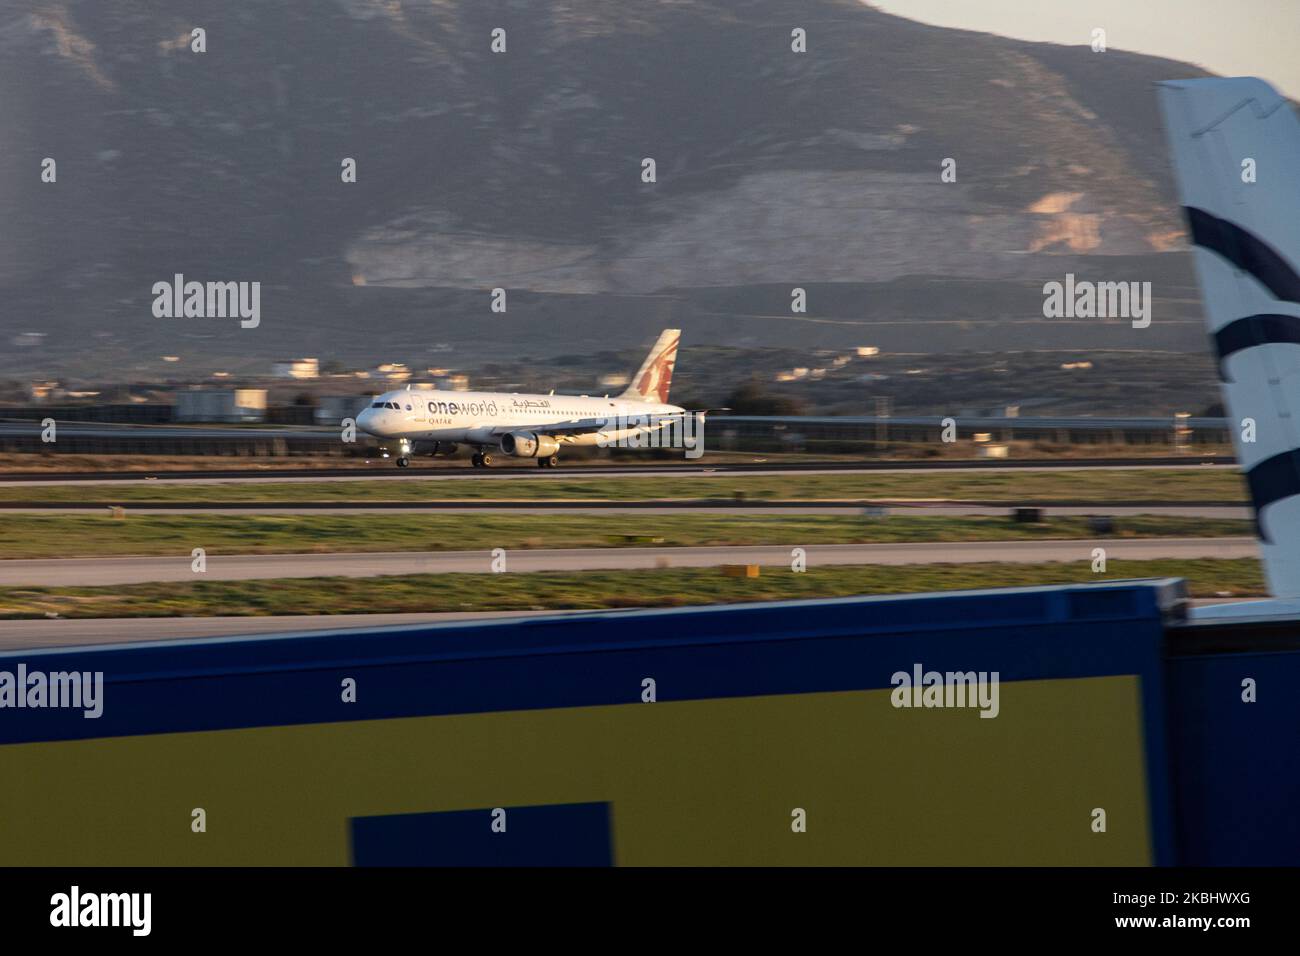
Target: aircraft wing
x=584 y=426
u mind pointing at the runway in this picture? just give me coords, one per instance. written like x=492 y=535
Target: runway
x=701 y=507
x=100 y=572
x=385 y=472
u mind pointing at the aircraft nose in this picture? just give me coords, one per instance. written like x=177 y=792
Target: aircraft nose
x=366 y=420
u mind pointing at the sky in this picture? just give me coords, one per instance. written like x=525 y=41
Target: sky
x=1229 y=37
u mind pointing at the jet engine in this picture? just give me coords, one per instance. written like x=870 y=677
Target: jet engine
x=529 y=445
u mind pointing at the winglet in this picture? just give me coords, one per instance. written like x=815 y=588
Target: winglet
x=1235 y=146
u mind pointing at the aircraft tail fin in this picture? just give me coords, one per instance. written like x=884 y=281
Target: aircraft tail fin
x=1235 y=147
x=653 y=379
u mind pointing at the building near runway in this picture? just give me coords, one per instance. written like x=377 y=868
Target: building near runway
x=749 y=734
x=227 y=405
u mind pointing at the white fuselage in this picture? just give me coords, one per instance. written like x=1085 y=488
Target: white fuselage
x=479 y=418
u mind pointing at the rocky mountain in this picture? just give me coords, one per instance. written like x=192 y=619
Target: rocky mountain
x=523 y=170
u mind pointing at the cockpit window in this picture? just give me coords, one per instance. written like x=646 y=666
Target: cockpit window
x=377 y=405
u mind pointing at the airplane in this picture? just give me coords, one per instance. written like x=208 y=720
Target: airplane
x=1235 y=146
x=528 y=426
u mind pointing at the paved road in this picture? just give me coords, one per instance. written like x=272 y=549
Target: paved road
x=27 y=635
x=60 y=632
x=135 y=570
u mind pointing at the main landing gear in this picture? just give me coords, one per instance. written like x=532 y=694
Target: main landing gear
x=484 y=460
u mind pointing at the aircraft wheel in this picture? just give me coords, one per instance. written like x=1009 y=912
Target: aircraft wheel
x=477 y=460
x=403 y=462
x=486 y=460
x=552 y=462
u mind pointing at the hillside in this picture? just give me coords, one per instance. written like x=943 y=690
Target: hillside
x=522 y=170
